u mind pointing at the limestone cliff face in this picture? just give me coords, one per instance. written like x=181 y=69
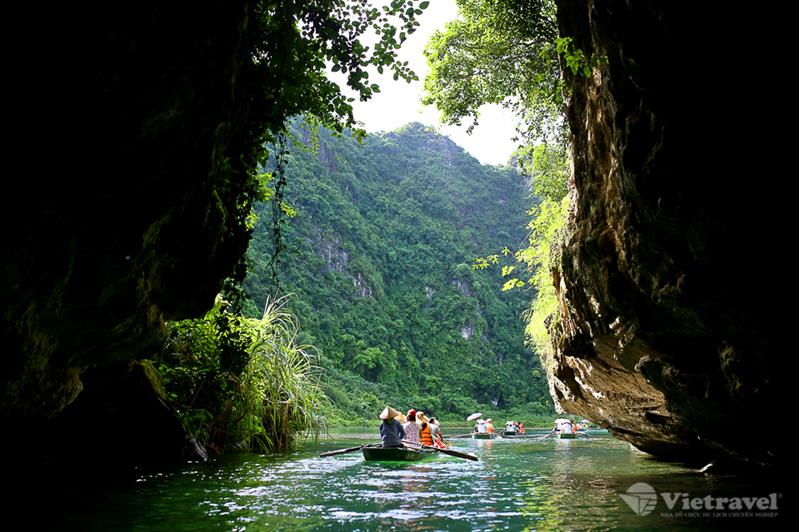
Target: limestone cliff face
x=665 y=335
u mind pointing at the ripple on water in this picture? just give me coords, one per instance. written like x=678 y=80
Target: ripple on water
x=516 y=485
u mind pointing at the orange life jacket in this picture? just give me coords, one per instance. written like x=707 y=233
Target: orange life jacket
x=424 y=435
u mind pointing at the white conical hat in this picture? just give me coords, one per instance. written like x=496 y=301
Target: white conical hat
x=388 y=413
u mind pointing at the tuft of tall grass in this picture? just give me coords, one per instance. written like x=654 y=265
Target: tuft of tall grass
x=275 y=397
x=281 y=381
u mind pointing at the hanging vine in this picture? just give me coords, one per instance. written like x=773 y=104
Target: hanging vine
x=280 y=210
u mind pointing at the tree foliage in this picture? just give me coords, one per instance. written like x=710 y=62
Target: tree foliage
x=297 y=40
x=503 y=52
x=540 y=257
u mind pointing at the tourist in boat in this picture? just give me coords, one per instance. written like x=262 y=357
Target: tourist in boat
x=391 y=431
x=490 y=426
x=411 y=427
x=521 y=427
x=511 y=427
x=480 y=426
x=435 y=432
x=425 y=435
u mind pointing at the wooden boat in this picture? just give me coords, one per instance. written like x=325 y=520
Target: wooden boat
x=483 y=436
x=394 y=454
x=514 y=434
x=567 y=435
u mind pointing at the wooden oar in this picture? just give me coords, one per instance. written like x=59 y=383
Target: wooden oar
x=458 y=454
x=545 y=437
x=349 y=450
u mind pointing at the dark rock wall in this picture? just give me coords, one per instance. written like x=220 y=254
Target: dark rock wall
x=134 y=127
x=665 y=336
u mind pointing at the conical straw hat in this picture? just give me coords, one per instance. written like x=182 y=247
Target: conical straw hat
x=388 y=413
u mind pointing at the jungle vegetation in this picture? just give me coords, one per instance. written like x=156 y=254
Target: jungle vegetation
x=509 y=53
x=377 y=240
x=378 y=259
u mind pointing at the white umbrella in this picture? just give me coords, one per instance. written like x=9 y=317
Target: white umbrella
x=474 y=416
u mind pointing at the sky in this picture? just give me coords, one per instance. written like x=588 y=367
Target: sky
x=399 y=102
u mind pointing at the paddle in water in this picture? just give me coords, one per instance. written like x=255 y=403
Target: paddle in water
x=450 y=452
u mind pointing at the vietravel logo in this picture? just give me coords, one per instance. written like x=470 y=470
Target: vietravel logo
x=643 y=500
x=641 y=497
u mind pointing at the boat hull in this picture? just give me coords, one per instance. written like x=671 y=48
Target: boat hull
x=394 y=454
x=483 y=436
x=568 y=436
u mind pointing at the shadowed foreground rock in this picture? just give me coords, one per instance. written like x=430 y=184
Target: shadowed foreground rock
x=666 y=333
x=136 y=138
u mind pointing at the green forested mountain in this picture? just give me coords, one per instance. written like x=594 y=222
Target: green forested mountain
x=378 y=257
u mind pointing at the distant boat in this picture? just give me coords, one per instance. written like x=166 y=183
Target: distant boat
x=483 y=435
x=394 y=454
x=511 y=434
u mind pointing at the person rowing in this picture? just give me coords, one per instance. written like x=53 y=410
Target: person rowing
x=435 y=432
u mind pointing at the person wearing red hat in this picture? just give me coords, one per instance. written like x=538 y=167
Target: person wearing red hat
x=411 y=428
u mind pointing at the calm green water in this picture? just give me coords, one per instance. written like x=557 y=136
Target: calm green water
x=517 y=485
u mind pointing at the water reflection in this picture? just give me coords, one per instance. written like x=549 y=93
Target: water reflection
x=518 y=484
x=486 y=445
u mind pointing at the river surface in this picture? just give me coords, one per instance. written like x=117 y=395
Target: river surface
x=518 y=484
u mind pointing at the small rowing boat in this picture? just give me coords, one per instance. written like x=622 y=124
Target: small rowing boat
x=483 y=436
x=394 y=454
x=567 y=435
